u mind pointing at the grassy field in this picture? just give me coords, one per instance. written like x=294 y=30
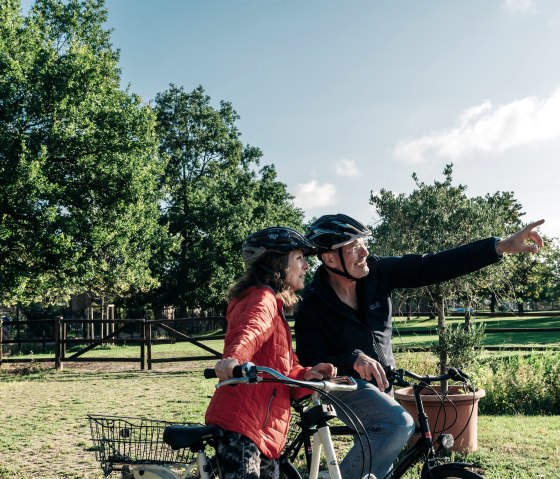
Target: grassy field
x=45 y=432
x=402 y=326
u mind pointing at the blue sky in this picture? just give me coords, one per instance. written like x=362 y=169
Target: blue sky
x=348 y=97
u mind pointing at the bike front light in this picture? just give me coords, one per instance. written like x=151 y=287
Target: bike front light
x=446 y=441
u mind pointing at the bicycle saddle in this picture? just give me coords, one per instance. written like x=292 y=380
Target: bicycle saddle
x=180 y=436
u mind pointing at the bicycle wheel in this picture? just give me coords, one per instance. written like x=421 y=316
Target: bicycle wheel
x=288 y=471
x=449 y=471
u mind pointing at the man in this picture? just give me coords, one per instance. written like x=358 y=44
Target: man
x=344 y=318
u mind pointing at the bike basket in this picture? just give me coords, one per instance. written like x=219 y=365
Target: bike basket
x=132 y=440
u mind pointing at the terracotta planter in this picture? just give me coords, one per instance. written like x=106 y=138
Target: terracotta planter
x=452 y=417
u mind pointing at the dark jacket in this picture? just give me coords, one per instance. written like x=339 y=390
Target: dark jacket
x=328 y=330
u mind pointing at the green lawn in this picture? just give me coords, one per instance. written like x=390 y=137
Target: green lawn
x=45 y=433
x=402 y=328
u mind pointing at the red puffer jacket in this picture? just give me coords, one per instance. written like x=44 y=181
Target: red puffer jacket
x=258 y=332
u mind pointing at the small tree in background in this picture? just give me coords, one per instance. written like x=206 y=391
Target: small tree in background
x=438 y=217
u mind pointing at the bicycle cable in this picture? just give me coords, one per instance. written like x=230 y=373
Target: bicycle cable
x=354 y=420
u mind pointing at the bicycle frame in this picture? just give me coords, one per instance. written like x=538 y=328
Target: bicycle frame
x=422 y=450
x=423 y=446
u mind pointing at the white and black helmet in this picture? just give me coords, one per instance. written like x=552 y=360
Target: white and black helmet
x=330 y=232
x=276 y=239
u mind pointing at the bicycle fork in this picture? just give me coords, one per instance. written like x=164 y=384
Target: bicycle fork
x=322 y=438
x=317 y=418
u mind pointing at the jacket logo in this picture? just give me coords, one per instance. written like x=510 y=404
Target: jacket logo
x=374 y=306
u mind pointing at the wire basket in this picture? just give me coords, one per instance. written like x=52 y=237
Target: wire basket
x=132 y=440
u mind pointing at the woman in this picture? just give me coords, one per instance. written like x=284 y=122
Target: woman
x=255 y=418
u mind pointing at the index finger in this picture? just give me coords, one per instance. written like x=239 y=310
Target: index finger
x=380 y=377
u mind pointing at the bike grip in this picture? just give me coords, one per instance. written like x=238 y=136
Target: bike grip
x=210 y=373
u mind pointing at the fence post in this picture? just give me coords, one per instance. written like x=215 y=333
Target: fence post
x=142 y=343
x=149 y=344
x=57 y=348
x=1 y=339
x=18 y=336
x=63 y=343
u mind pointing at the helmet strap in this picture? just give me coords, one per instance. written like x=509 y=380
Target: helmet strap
x=344 y=273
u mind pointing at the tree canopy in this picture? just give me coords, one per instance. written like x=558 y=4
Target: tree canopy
x=79 y=163
x=438 y=217
x=216 y=193
x=441 y=216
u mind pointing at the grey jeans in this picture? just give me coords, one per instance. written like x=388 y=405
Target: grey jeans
x=388 y=427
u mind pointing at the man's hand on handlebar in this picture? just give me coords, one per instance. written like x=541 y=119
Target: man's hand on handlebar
x=368 y=369
x=320 y=371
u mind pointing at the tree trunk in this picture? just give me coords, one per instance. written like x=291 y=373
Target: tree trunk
x=467 y=324
x=443 y=348
x=493 y=303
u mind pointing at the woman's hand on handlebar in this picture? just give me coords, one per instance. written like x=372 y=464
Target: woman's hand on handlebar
x=368 y=369
x=224 y=368
x=320 y=371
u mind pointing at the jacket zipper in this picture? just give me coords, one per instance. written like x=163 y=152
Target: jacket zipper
x=378 y=350
x=268 y=408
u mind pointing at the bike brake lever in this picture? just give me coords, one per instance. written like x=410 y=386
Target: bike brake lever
x=395 y=376
x=457 y=375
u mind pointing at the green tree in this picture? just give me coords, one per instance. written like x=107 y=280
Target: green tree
x=79 y=164
x=536 y=277
x=441 y=216
x=215 y=196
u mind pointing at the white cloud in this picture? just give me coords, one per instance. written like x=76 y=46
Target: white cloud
x=521 y=6
x=314 y=195
x=484 y=128
x=347 y=168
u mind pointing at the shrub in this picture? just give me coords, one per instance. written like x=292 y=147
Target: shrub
x=521 y=384
x=516 y=384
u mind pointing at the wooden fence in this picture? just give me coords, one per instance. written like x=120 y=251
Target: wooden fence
x=87 y=334
x=84 y=335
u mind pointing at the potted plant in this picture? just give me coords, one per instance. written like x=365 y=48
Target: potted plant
x=458 y=413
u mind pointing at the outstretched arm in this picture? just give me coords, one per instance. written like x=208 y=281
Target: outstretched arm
x=526 y=240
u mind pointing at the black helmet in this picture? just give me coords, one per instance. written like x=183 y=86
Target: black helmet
x=276 y=239
x=333 y=231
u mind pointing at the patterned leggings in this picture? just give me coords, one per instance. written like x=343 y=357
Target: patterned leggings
x=240 y=458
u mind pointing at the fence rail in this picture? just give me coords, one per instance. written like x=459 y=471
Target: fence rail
x=60 y=333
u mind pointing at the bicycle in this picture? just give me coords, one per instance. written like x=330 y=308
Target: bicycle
x=141 y=448
x=432 y=453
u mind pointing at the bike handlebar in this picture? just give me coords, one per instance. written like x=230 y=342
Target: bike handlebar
x=397 y=376
x=248 y=373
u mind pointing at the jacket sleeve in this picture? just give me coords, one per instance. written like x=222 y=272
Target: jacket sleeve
x=312 y=341
x=250 y=325
x=298 y=371
x=414 y=270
